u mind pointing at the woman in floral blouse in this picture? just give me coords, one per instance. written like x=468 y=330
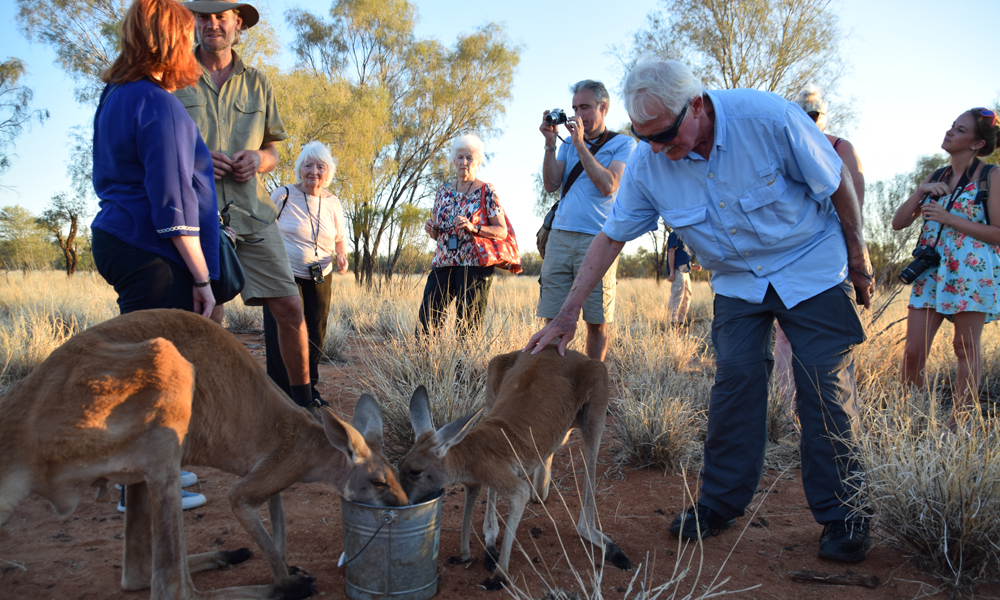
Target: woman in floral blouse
x=455 y=222
x=962 y=286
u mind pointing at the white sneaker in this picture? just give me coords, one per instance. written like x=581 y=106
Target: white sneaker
x=188 y=479
x=192 y=500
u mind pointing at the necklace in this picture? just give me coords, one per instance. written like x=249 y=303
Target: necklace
x=472 y=184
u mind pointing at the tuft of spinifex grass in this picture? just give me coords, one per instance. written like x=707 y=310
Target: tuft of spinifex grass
x=936 y=492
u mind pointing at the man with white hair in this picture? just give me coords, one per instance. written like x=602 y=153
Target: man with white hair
x=237 y=115
x=755 y=189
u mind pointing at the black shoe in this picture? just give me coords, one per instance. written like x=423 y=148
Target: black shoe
x=846 y=541
x=698 y=522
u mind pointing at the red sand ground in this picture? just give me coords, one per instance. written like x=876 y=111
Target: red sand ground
x=80 y=557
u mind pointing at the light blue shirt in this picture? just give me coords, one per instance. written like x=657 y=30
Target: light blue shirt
x=585 y=208
x=757 y=212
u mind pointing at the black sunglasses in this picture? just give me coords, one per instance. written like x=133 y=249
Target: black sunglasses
x=814 y=115
x=667 y=134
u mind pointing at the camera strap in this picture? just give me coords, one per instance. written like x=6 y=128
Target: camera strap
x=606 y=137
x=964 y=181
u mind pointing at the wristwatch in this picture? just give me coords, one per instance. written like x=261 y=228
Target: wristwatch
x=202 y=283
x=480 y=228
x=550 y=148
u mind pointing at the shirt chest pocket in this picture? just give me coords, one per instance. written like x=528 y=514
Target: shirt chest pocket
x=695 y=228
x=769 y=212
x=195 y=105
x=249 y=116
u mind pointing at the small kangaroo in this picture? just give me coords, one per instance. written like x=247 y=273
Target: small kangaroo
x=533 y=401
x=132 y=399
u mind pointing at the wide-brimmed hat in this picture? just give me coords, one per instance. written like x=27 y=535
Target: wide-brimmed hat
x=248 y=13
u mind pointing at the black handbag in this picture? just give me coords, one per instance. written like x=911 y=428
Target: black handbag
x=231 y=278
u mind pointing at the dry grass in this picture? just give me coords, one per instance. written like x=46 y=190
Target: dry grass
x=935 y=494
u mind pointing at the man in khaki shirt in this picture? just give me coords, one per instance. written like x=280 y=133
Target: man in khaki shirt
x=236 y=113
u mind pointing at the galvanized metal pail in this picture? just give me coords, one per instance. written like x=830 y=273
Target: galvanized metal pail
x=391 y=552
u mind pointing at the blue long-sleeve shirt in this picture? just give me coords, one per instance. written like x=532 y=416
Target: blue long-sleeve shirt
x=153 y=173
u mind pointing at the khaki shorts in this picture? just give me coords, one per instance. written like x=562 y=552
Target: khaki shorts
x=564 y=253
x=265 y=264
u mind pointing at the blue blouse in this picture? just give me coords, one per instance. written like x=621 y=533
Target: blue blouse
x=153 y=173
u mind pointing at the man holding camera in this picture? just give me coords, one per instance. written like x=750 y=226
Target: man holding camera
x=756 y=190
x=596 y=157
x=236 y=113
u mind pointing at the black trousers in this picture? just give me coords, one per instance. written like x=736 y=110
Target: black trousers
x=142 y=279
x=316 y=308
x=468 y=286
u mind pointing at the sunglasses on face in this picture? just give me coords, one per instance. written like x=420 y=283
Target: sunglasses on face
x=667 y=134
x=814 y=115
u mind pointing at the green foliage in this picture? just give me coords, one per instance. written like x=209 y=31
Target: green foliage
x=85 y=35
x=61 y=219
x=773 y=45
x=15 y=109
x=23 y=242
x=389 y=104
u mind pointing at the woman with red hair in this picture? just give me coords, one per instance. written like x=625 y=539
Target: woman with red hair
x=155 y=238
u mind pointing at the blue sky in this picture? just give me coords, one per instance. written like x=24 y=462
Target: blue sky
x=914 y=67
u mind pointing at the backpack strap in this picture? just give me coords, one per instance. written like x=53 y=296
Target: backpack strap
x=578 y=167
x=983 y=195
x=284 y=203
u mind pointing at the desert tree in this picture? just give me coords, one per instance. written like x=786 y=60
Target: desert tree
x=85 y=35
x=61 y=219
x=15 y=108
x=772 y=45
x=23 y=243
x=391 y=104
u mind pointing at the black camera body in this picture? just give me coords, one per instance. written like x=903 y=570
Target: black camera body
x=924 y=257
x=316 y=272
x=556 y=116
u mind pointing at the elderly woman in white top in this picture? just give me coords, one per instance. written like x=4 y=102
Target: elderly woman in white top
x=311 y=221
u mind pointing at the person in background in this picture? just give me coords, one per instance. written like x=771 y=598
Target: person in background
x=959 y=281
x=311 y=221
x=455 y=273
x=811 y=101
x=156 y=236
x=236 y=111
x=585 y=203
x=678 y=266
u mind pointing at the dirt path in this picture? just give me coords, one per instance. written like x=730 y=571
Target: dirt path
x=80 y=557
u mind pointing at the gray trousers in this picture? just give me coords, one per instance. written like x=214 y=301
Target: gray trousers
x=823 y=332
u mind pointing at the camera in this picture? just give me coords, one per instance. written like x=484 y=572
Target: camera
x=924 y=257
x=556 y=116
x=316 y=272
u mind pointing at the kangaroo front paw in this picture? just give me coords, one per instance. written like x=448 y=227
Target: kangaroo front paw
x=490 y=556
x=614 y=555
x=302 y=588
x=457 y=560
x=235 y=557
x=494 y=584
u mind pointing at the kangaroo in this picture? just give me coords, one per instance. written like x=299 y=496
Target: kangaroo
x=130 y=400
x=533 y=402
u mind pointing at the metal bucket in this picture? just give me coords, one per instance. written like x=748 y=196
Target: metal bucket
x=391 y=552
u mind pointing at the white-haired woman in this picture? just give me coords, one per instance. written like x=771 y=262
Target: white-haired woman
x=811 y=101
x=455 y=222
x=311 y=221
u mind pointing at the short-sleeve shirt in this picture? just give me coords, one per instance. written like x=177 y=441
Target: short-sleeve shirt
x=757 y=212
x=242 y=115
x=152 y=173
x=681 y=257
x=584 y=208
x=313 y=229
x=450 y=204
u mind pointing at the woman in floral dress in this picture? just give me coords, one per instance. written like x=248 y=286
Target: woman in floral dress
x=455 y=222
x=962 y=287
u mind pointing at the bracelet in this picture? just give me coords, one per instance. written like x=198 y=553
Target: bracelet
x=202 y=283
x=862 y=273
x=550 y=148
x=480 y=228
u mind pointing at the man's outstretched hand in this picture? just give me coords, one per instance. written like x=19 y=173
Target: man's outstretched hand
x=562 y=328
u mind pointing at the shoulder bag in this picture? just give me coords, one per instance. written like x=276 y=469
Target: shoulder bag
x=542 y=237
x=231 y=277
x=496 y=253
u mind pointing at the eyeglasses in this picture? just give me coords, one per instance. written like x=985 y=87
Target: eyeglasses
x=667 y=134
x=814 y=115
x=988 y=115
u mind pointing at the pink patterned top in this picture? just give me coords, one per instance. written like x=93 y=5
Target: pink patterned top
x=450 y=204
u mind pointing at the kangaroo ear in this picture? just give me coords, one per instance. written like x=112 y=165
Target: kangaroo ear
x=420 y=414
x=453 y=433
x=368 y=421
x=344 y=437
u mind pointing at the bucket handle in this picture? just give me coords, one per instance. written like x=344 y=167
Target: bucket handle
x=388 y=516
